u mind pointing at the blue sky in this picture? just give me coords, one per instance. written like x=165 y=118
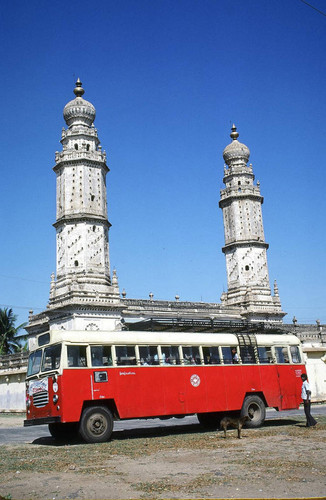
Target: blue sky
x=168 y=79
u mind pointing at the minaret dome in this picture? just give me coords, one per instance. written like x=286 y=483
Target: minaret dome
x=236 y=152
x=79 y=111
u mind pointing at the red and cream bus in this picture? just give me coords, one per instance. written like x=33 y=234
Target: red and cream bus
x=81 y=381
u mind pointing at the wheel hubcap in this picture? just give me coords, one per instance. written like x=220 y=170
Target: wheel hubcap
x=97 y=424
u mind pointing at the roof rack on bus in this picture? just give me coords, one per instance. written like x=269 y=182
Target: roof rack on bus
x=199 y=325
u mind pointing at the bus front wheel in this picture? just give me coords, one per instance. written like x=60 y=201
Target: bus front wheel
x=254 y=408
x=96 y=424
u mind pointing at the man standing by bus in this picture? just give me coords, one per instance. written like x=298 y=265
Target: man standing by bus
x=306 y=398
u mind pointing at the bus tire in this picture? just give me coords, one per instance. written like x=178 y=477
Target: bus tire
x=96 y=424
x=63 y=431
x=210 y=420
x=254 y=408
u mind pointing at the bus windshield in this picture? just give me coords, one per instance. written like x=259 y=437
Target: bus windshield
x=51 y=358
x=34 y=363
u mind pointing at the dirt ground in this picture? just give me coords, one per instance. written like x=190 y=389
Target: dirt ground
x=283 y=459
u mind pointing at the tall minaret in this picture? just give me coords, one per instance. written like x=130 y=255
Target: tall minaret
x=82 y=226
x=245 y=246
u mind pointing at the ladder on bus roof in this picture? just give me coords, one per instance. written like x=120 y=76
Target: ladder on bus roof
x=248 y=347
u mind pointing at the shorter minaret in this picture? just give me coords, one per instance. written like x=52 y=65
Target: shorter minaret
x=245 y=247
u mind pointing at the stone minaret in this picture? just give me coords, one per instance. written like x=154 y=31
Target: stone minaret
x=245 y=246
x=82 y=226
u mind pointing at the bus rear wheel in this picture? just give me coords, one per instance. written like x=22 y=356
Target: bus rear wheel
x=210 y=420
x=96 y=424
x=254 y=408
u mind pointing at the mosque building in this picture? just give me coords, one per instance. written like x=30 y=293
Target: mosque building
x=84 y=295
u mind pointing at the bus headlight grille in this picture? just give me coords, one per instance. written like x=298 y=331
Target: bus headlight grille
x=41 y=399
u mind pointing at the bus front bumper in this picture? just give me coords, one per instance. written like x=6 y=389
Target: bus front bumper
x=42 y=421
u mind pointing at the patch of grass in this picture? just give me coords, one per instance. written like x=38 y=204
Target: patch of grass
x=198 y=483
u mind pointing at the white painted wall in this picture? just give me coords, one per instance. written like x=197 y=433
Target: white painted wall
x=12 y=391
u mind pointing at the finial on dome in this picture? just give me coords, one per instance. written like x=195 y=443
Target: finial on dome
x=234 y=134
x=78 y=90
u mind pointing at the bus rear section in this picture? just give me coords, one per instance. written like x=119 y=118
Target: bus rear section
x=79 y=382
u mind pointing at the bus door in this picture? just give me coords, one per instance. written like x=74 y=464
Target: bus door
x=288 y=378
x=128 y=386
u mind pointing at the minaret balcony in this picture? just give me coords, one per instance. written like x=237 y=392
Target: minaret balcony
x=240 y=190
x=232 y=194
x=72 y=155
x=79 y=130
x=238 y=170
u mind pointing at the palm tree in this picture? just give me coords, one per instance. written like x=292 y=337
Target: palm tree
x=9 y=338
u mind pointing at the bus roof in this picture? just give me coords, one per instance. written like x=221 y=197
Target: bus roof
x=163 y=338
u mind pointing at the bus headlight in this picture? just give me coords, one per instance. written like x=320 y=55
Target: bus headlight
x=55 y=398
x=28 y=403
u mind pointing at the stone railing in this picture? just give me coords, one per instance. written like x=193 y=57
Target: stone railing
x=172 y=304
x=12 y=361
x=99 y=156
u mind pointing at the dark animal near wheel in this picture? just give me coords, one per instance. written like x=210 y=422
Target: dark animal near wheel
x=237 y=423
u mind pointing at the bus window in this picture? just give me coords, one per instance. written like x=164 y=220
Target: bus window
x=170 y=355
x=265 y=355
x=281 y=354
x=227 y=355
x=34 y=363
x=43 y=339
x=191 y=355
x=211 y=356
x=148 y=355
x=125 y=355
x=295 y=354
x=51 y=358
x=101 y=355
x=76 y=356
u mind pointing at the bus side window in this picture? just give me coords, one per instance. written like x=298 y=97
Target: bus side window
x=191 y=355
x=101 y=355
x=281 y=354
x=76 y=356
x=148 y=355
x=265 y=355
x=126 y=355
x=227 y=355
x=211 y=356
x=170 y=355
x=295 y=354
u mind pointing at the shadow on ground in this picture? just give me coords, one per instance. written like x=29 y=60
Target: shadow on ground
x=127 y=434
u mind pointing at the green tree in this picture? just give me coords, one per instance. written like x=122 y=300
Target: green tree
x=10 y=340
